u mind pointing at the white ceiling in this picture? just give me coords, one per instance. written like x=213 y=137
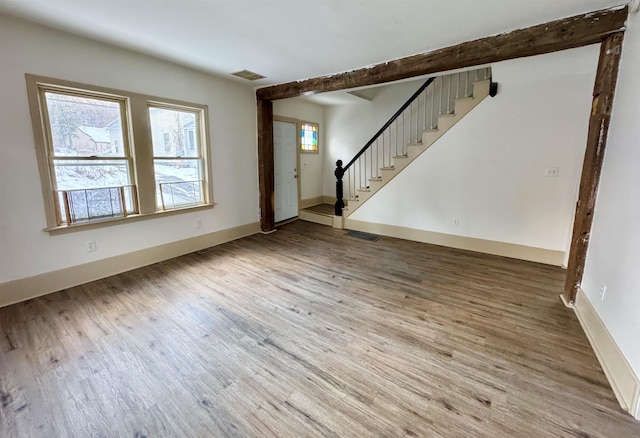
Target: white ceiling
x=288 y=40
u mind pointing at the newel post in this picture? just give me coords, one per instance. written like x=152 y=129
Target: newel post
x=339 y=202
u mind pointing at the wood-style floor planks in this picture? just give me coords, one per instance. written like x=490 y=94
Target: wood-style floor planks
x=302 y=333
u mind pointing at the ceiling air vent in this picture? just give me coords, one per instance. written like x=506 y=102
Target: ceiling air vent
x=248 y=75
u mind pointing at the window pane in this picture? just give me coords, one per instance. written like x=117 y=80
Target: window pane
x=84 y=126
x=85 y=174
x=179 y=183
x=174 y=133
x=93 y=189
x=90 y=204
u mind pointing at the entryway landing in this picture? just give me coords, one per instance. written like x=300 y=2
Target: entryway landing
x=319 y=214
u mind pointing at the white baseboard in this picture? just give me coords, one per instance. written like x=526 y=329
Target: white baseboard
x=623 y=380
x=566 y=303
x=31 y=287
x=504 y=249
x=329 y=200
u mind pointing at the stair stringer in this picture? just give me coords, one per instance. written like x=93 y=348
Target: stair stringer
x=445 y=122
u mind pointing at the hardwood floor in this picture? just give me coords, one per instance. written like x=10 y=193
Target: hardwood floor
x=307 y=332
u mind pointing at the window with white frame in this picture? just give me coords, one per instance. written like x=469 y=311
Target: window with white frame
x=178 y=168
x=91 y=169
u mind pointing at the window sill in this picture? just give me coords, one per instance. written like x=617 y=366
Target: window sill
x=64 y=229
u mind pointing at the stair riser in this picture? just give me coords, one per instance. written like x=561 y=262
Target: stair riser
x=413 y=152
x=402 y=163
x=463 y=106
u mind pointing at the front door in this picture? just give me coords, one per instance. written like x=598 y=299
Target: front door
x=285 y=163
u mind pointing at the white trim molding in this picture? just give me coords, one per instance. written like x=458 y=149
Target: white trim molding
x=623 y=380
x=310 y=202
x=31 y=287
x=504 y=249
x=330 y=200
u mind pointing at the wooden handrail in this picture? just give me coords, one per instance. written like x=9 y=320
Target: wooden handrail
x=340 y=171
x=389 y=122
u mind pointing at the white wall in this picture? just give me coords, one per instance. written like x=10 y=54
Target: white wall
x=613 y=257
x=488 y=170
x=311 y=165
x=26 y=250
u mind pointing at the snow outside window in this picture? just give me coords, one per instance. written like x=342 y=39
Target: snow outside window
x=93 y=173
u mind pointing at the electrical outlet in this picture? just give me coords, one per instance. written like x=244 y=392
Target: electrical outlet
x=456 y=221
x=603 y=291
x=551 y=172
x=198 y=223
x=91 y=246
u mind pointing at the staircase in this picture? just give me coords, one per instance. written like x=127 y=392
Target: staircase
x=433 y=109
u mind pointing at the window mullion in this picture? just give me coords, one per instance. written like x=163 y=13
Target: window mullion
x=143 y=152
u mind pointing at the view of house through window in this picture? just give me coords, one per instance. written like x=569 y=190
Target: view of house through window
x=92 y=173
x=178 y=162
x=309 y=137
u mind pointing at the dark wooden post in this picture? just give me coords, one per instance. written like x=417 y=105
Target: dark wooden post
x=603 y=92
x=266 y=165
x=339 y=173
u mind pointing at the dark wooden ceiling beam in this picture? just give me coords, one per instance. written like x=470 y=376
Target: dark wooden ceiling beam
x=567 y=33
